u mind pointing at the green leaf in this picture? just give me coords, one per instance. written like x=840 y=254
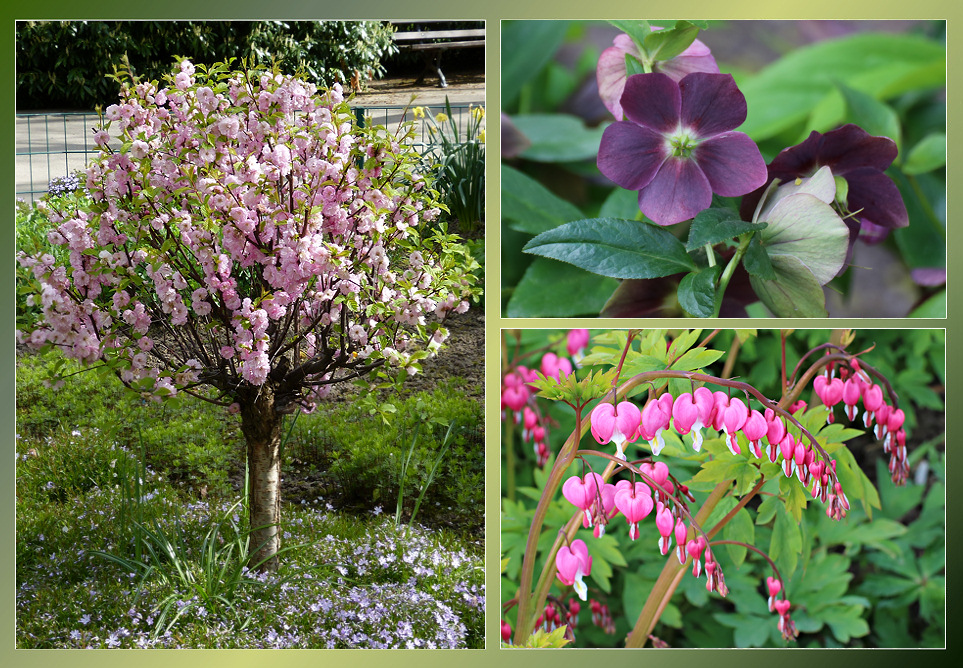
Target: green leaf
x=710 y=226
x=532 y=207
x=526 y=47
x=794 y=293
x=794 y=497
x=876 y=117
x=767 y=509
x=551 y=289
x=740 y=528
x=786 y=543
x=784 y=95
x=558 y=138
x=923 y=242
x=697 y=358
x=846 y=621
x=637 y=30
x=756 y=260
x=621 y=203
x=927 y=155
x=667 y=44
x=934 y=307
x=615 y=248
x=697 y=292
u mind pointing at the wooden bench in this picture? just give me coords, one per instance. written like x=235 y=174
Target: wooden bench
x=433 y=43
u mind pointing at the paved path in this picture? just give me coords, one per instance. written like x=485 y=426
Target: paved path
x=52 y=146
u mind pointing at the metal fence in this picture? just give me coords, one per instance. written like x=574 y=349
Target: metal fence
x=52 y=145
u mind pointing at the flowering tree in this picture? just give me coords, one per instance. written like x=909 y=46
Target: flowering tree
x=719 y=457
x=697 y=223
x=248 y=244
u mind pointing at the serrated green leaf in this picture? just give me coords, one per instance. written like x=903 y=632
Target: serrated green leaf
x=712 y=226
x=614 y=248
x=697 y=358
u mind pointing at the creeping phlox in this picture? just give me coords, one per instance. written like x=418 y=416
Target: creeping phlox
x=249 y=213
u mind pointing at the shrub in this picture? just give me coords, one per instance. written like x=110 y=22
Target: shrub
x=365 y=456
x=66 y=64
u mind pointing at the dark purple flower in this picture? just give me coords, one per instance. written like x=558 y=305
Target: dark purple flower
x=677 y=145
x=860 y=158
x=611 y=70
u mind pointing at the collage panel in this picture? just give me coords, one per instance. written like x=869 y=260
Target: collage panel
x=249 y=372
x=744 y=168
x=747 y=488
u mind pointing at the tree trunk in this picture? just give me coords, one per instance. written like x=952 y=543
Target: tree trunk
x=261 y=425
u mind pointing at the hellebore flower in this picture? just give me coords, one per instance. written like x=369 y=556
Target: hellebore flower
x=574 y=563
x=859 y=158
x=677 y=145
x=611 y=70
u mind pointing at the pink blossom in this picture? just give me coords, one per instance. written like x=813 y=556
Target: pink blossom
x=574 y=563
x=616 y=424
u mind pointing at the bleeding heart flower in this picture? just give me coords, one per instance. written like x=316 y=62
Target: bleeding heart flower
x=635 y=502
x=656 y=417
x=574 y=563
x=774 y=586
x=616 y=424
x=583 y=493
x=755 y=428
x=664 y=522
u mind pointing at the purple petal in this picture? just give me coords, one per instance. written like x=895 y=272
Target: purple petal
x=630 y=154
x=732 y=163
x=652 y=100
x=929 y=276
x=878 y=197
x=711 y=103
x=798 y=160
x=850 y=147
x=678 y=192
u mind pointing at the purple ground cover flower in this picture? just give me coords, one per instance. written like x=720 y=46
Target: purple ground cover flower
x=860 y=158
x=677 y=145
x=611 y=71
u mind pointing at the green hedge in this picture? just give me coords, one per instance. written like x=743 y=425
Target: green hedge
x=64 y=64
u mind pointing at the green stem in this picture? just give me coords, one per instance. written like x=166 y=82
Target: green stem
x=731 y=269
x=669 y=578
x=710 y=255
